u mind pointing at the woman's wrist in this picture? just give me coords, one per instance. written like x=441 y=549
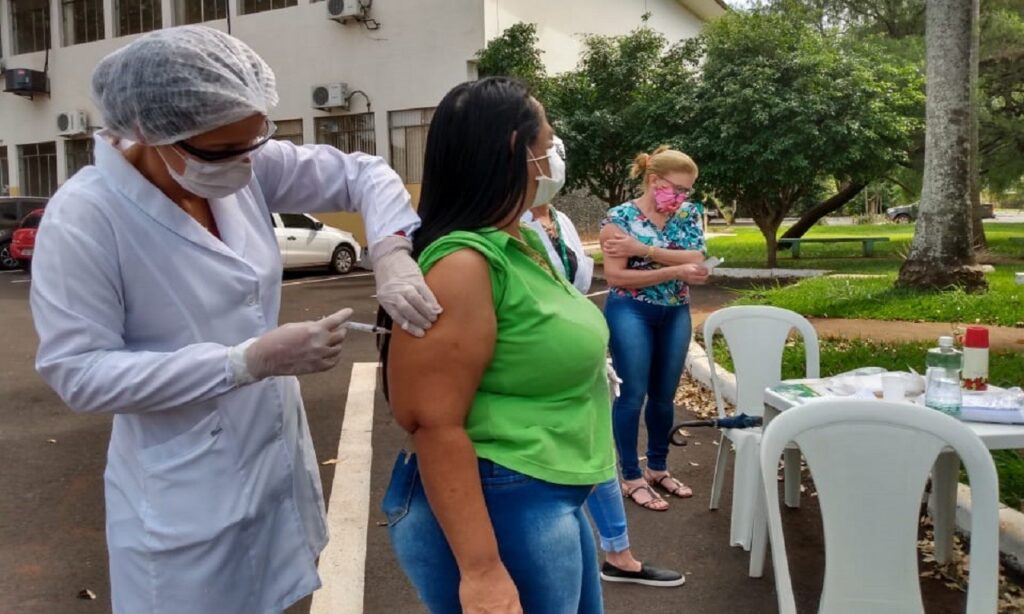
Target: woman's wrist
x=649 y=252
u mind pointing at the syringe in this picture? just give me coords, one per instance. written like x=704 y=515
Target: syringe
x=367 y=328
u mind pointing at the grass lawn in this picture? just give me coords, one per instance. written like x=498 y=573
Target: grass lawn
x=877 y=298
x=840 y=355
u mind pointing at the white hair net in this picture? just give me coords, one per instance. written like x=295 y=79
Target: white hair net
x=176 y=83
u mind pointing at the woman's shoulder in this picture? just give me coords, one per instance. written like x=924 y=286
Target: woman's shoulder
x=488 y=243
x=619 y=214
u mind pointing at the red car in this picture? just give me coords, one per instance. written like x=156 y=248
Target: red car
x=23 y=241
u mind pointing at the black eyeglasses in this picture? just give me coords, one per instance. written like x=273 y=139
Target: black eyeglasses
x=208 y=155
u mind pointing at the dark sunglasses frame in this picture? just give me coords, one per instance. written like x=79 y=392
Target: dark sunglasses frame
x=207 y=155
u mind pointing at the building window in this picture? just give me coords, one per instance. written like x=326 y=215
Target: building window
x=78 y=154
x=349 y=133
x=30 y=24
x=38 y=163
x=258 y=6
x=82 y=21
x=137 y=16
x=198 y=11
x=289 y=130
x=409 y=142
x=5 y=174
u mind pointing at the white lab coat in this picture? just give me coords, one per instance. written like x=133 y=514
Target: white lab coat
x=213 y=494
x=585 y=270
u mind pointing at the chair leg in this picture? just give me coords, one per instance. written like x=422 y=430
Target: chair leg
x=944 y=485
x=759 y=540
x=721 y=465
x=791 y=477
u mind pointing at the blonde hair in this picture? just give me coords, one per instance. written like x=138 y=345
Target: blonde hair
x=663 y=160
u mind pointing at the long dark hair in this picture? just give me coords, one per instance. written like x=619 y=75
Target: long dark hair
x=474 y=172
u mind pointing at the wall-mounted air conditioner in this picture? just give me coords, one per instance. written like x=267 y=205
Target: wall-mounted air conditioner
x=26 y=82
x=343 y=10
x=72 y=123
x=330 y=96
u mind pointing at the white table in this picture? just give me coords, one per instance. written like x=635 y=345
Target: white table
x=945 y=474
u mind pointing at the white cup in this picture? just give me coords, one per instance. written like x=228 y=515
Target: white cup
x=1020 y=279
x=893 y=387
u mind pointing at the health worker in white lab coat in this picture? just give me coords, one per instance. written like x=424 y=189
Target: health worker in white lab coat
x=156 y=293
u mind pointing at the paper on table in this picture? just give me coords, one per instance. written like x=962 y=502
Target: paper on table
x=846 y=385
x=999 y=406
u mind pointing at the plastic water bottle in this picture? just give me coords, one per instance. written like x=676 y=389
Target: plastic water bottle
x=942 y=387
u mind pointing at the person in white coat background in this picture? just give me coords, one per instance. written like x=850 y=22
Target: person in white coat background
x=567 y=255
x=156 y=292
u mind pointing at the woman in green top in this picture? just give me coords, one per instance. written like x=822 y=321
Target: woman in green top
x=506 y=399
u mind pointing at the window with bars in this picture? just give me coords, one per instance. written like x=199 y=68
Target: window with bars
x=349 y=133
x=30 y=25
x=409 y=142
x=78 y=154
x=198 y=11
x=258 y=6
x=5 y=173
x=38 y=162
x=289 y=130
x=82 y=21
x=137 y=16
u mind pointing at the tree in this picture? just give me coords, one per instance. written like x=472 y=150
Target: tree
x=627 y=95
x=942 y=252
x=514 y=54
x=780 y=108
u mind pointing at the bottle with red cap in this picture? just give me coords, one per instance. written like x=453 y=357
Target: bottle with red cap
x=974 y=375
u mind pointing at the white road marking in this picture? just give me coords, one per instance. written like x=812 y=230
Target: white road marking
x=343 y=562
x=12 y=272
x=593 y=294
x=320 y=280
x=21 y=281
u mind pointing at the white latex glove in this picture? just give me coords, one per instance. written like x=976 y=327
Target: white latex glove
x=293 y=349
x=401 y=290
x=614 y=380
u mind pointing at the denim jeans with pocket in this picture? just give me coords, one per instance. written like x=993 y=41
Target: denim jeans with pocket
x=544 y=540
x=648 y=344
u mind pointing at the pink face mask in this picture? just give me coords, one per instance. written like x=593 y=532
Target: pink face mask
x=667 y=201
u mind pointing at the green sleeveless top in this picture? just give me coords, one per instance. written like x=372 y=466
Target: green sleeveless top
x=543 y=406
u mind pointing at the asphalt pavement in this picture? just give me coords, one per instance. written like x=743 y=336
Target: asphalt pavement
x=51 y=489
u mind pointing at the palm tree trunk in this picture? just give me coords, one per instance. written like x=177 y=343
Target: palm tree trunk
x=942 y=252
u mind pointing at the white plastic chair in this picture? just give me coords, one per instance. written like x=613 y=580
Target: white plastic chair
x=870 y=461
x=756 y=337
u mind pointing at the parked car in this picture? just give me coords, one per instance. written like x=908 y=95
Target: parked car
x=23 y=241
x=305 y=242
x=904 y=214
x=13 y=209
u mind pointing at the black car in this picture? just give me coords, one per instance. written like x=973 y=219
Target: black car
x=13 y=209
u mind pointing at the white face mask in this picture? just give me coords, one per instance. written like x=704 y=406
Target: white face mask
x=212 y=180
x=548 y=187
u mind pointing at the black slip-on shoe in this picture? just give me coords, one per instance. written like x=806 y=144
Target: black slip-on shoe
x=648 y=576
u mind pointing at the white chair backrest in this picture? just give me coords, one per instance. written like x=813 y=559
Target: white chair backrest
x=756 y=336
x=870 y=460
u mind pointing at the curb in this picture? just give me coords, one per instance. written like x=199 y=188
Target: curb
x=1011 y=521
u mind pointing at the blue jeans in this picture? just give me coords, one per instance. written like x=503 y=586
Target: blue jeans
x=544 y=540
x=648 y=346
x=609 y=516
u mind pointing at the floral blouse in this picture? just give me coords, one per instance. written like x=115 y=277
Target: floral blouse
x=684 y=230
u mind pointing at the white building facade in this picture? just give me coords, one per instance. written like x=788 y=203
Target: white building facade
x=397 y=58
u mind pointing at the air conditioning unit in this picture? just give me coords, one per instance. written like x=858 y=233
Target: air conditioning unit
x=342 y=10
x=72 y=123
x=330 y=96
x=26 y=82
